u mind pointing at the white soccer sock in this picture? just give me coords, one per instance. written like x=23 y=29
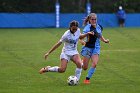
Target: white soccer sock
x=82 y=64
x=53 y=69
x=78 y=72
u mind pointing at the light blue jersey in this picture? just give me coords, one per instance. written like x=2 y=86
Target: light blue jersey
x=92 y=45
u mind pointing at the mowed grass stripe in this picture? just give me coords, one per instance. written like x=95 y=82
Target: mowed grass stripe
x=21 y=57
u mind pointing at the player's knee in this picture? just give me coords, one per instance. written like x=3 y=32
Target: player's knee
x=62 y=70
x=94 y=65
x=85 y=68
x=79 y=65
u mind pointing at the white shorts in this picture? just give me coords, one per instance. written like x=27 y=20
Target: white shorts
x=66 y=56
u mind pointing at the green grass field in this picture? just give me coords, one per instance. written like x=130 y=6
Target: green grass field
x=22 y=56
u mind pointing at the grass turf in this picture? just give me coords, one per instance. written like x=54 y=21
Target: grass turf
x=21 y=57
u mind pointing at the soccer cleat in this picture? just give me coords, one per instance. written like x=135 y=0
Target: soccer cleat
x=43 y=70
x=86 y=81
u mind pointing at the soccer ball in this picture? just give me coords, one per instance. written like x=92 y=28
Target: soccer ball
x=72 y=80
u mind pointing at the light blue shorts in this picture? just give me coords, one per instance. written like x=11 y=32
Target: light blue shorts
x=88 y=52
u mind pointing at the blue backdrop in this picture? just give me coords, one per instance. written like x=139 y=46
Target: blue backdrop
x=38 y=20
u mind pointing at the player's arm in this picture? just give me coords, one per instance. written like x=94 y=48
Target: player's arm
x=104 y=40
x=82 y=42
x=83 y=36
x=86 y=34
x=52 y=49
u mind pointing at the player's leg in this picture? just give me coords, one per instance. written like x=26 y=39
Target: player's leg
x=64 y=60
x=60 y=69
x=92 y=69
x=120 y=22
x=77 y=60
x=85 y=62
x=123 y=20
x=63 y=65
x=86 y=53
x=44 y=69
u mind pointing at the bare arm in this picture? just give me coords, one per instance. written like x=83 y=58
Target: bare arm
x=104 y=40
x=82 y=41
x=84 y=35
x=52 y=49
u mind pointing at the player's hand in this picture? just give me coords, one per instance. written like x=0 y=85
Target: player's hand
x=91 y=33
x=82 y=42
x=46 y=55
x=107 y=41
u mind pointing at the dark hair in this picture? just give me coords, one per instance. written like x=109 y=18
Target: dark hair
x=74 y=23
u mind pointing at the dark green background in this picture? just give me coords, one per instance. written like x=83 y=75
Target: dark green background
x=68 y=6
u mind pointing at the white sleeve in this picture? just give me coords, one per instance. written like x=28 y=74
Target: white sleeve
x=63 y=38
x=79 y=31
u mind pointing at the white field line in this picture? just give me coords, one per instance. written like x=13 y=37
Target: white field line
x=120 y=50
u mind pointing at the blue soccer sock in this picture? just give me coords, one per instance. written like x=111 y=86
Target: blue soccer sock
x=90 y=72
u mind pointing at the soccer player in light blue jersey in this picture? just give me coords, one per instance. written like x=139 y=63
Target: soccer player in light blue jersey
x=91 y=48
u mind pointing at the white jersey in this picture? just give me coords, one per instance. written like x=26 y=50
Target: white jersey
x=70 y=42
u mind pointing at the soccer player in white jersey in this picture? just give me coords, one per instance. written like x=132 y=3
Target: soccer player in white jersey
x=69 y=52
